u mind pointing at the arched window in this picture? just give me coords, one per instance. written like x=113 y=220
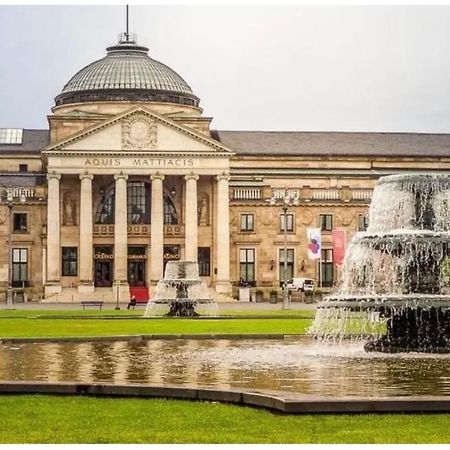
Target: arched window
x=138 y=206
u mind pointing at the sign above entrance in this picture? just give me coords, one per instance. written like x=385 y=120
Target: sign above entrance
x=141 y=162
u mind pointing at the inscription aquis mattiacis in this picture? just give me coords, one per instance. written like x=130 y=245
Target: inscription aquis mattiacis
x=139 y=162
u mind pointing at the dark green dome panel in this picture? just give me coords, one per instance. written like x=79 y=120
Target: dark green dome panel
x=127 y=73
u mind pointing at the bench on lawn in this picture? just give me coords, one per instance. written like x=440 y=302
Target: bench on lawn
x=98 y=303
x=140 y=303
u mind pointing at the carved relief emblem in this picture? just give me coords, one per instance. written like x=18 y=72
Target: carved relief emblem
x=345 y=218
x=139 y=132
x=267 y=216
x=307 y=217
x=3 y=216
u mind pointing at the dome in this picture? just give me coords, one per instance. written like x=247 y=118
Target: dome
x=127 y=73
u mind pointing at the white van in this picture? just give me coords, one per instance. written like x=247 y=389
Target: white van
x=301 y=284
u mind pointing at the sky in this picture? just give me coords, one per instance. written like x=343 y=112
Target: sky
x=255 y=67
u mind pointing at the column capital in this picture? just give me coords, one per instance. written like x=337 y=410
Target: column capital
x=191 y=176
x=223 y=177
x=53 y=176
x=88 y=176
x=157 y=176
x=120 y=176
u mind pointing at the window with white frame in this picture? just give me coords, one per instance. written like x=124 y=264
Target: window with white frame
x=363 y=222
x=290 y=264
x=289 y=219
x=247 y=265
x=326 y=222
x=327 y=269
x=19 y=267
x=247 y=222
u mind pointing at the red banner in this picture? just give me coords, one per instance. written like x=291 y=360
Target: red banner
x=338 y=237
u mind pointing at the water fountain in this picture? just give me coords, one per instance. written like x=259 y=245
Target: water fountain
x=395 y=282
x=181 y=293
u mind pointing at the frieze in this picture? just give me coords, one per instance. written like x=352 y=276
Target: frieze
x=139 y=162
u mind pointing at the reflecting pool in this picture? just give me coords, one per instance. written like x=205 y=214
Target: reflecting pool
x=300 y=365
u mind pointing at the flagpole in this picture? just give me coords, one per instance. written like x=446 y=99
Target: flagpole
x=320 y=265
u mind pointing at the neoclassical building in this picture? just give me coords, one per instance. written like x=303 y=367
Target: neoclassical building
x=130 y=175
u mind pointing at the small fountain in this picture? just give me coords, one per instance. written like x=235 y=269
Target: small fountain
x=395 y=282
x=181 y=293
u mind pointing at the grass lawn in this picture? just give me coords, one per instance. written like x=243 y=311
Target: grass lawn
x=51 y=419
x=42 y=313
x=89 y=323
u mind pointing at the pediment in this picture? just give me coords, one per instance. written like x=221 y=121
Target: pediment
x=139 y=131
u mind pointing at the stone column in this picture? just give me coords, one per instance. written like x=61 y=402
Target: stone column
x=157 y=230
x=86 y=283
x=223 y=284
x=53 y=284
x=191 y=221
x=120 y=233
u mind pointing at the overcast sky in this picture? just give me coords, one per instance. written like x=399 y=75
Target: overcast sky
x=305 y=68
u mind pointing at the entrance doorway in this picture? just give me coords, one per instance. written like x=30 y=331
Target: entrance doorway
x=136 y=265
x=103 y=269
x=103 y=273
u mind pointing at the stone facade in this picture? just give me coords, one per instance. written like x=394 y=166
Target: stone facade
x=115 y=188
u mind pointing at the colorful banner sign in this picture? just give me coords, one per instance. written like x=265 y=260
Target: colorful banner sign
x=339 y=238
x=314 y=243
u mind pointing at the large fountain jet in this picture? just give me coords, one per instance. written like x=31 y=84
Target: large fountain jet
x=181 y=293
x=397 y=272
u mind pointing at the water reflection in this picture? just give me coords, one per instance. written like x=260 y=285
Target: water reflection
x=302 y=366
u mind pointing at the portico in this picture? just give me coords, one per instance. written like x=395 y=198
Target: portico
x=149 y=194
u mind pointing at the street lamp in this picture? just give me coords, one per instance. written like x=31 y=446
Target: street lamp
x=286 y=200
x=117 y=296
x=9 y=199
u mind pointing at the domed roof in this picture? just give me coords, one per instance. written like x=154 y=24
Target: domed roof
x=127 y=73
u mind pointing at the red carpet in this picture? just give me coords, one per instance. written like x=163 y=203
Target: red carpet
x=140 y=292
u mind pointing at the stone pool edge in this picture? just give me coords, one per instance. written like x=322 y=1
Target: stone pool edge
x=282 y=402
x=147 y=337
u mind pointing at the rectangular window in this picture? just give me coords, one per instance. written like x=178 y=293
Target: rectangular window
x=326 y=222
x=204 y=261
x=69 y=261
x=20 y=222
x=289 y=218
x=19 y=267
x=363 y=222
x=138 y=197
x=327 y=271
x=290 y=265
x=23 y=167
x=247 y=222
x=247 y=265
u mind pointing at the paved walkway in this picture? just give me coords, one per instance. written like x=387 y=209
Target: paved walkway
x=241 y=306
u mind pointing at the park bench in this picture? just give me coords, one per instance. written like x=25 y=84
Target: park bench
x=98 y=303
x=140 y=303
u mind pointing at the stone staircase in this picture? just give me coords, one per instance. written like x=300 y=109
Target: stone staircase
x=220 y=298
x=71 y=295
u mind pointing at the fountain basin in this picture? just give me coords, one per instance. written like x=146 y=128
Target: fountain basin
x=180 y=293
